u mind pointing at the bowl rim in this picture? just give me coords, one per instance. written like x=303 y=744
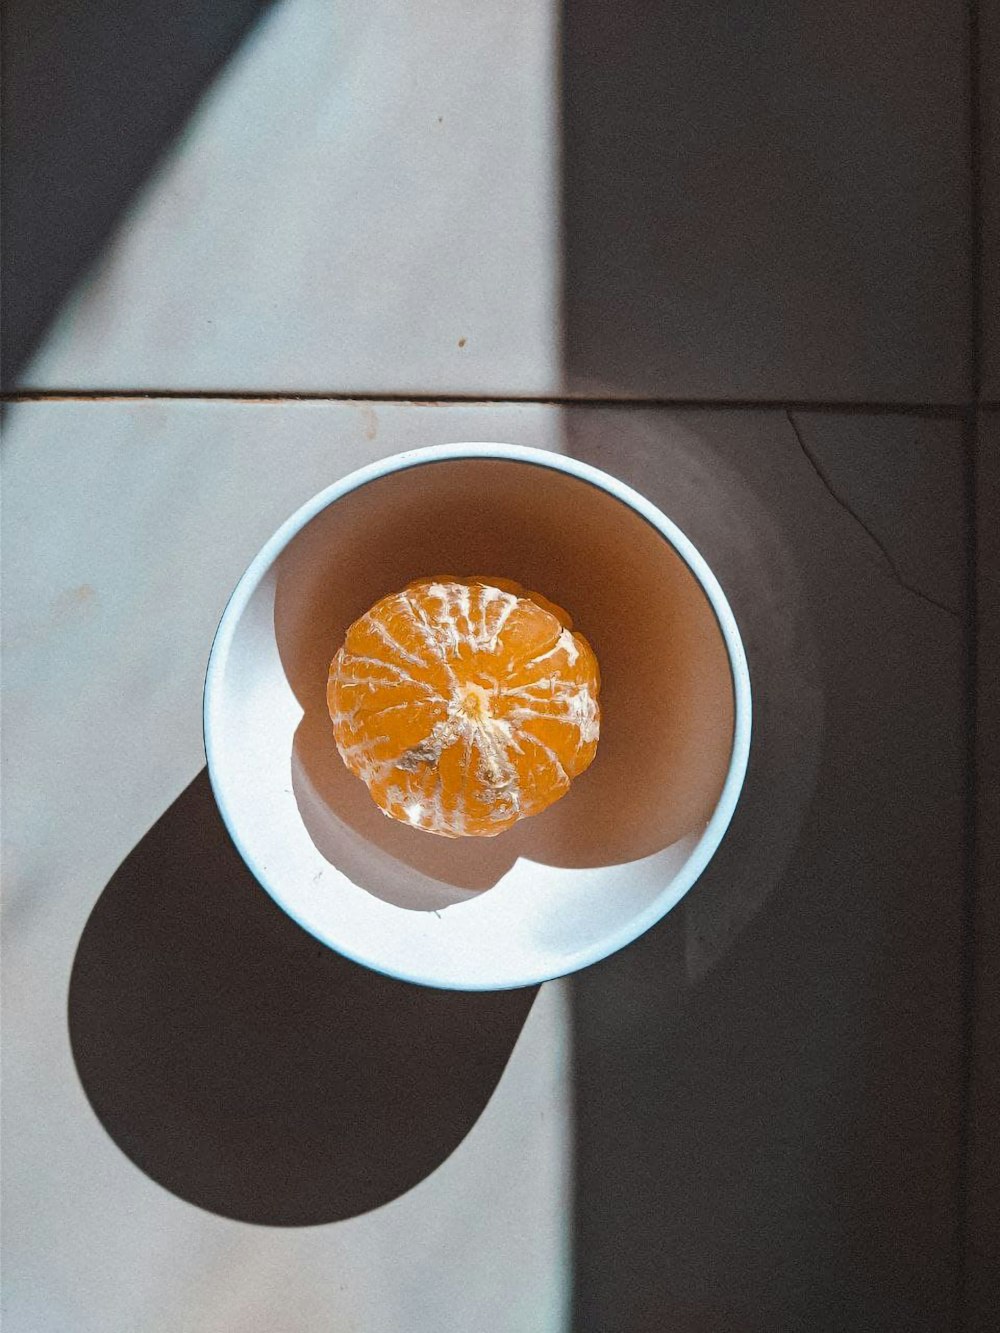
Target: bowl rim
x=714 y=831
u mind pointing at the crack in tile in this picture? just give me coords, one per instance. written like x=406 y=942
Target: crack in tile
x=883 y=550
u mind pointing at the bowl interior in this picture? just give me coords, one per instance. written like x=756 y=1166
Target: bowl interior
x=559 y=889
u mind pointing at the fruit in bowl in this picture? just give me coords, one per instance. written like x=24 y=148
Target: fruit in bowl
x=465 y=704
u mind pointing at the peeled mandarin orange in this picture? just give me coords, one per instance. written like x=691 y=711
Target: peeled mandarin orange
x=465 y=704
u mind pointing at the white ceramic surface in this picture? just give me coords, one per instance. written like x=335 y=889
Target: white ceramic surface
x=561 y=890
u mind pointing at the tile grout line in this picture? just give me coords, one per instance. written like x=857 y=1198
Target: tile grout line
x=418 y=399
x=967 y=959
x=968 y=976
x=975 y=130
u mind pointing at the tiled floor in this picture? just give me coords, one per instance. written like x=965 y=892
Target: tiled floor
x=365 y=201
x=753 y=1117
x=786 y=1122
x=822 y=928
x=747 y=204
x=112 y=520
x=766 y=201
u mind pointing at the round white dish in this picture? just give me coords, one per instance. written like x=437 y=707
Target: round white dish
x=563 y=889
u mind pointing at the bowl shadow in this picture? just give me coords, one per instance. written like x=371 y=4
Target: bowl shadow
x=246 y=1067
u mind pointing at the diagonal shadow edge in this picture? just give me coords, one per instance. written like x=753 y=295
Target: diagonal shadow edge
x=247 y=1068
x=93 y=97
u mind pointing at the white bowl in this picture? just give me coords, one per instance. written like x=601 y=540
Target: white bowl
x=562 y=889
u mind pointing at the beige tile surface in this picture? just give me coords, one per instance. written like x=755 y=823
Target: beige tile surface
x=766 y=201
x=689 y=202
x=768 y=1127
x=125 y=526
x=798 y=1019
x=365 y=201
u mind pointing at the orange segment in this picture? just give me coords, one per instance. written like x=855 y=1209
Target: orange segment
x=465 y=704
